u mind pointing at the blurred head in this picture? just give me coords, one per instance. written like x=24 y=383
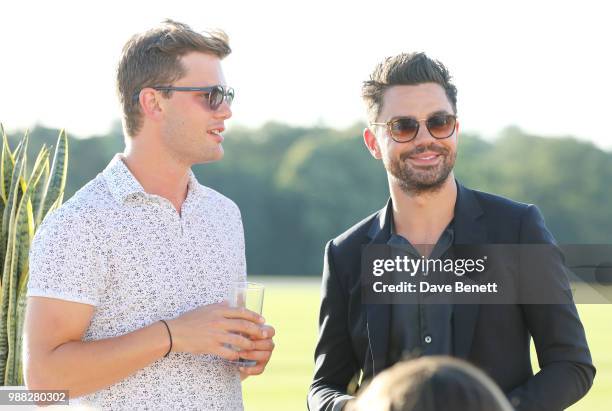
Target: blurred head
x=182 y=122
x=411 y=106
x=431 y=384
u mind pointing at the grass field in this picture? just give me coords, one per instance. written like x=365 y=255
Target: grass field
x=291 y=306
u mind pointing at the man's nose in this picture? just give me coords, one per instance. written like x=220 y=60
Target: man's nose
x=423 y=136
x=224 y=111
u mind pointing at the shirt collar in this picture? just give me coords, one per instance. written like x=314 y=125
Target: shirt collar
x=444 y=242
x=122 y=183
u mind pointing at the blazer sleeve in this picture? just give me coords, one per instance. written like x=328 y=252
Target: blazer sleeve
x=335 y=364
x=566 y=369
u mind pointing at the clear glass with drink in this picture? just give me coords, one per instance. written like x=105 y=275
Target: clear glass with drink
x=250 y=296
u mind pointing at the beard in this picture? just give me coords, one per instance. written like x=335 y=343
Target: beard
x=419 y=180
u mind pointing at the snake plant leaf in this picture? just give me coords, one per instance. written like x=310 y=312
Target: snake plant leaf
x=42 y=182
x=21 y=233
x=57 y=179
x=21 y=308
x=25 y=202
x=13 y=197
x=7 y=165
x=11 y=210
x=6 y=168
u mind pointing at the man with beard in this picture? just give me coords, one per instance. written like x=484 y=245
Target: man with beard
x=413 y=129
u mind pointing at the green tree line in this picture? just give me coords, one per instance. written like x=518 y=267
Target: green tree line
x=297 y=187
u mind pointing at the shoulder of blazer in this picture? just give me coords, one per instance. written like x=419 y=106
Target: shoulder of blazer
x=357 y=234
x=503 y=218
x=495 y=206
x=349 y=243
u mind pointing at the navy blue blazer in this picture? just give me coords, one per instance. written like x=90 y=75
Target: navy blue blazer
x=354 y=337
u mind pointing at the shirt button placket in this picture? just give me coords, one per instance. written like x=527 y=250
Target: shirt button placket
x=179 y=223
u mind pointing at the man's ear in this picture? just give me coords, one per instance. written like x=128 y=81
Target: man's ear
x=369 y=138
x=149 y=103
x=457 y=130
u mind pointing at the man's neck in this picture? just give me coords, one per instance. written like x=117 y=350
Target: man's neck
x=158 y=173
x=421 y=218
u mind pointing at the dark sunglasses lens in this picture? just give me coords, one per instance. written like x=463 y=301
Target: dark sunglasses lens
x=215 y=98
x=229 y=96
x=441 y=125
x=404 y=129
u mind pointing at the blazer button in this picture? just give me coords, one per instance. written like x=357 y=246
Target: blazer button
x=428 y=339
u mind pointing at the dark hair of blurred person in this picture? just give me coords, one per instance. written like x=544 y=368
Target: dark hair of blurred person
x=432 y=383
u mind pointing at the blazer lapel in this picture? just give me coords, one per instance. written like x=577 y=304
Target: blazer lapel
x=469 y=229
x=378 y=315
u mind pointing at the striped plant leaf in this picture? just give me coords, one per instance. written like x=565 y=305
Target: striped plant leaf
x=22 y=147
x=7 y=165
x=41 y=184
x=24 y=204
x=21 y=233
x=8 y=168
x=57 y=179
x=21 y=307
x=11 y=210
x=9 y=295
x=57 y=203
x=15 y=177
x=42 y=157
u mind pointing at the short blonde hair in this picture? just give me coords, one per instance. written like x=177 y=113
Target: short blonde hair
x=153 y=58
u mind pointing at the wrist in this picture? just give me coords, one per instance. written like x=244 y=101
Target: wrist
x=175 y=329
x=168 y=330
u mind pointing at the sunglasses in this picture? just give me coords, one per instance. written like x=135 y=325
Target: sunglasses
x=405 y=129
x=215 y=94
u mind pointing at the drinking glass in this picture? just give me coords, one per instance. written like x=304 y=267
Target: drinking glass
x=250 y=296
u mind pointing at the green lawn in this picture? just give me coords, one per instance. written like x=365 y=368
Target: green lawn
x=291 y=306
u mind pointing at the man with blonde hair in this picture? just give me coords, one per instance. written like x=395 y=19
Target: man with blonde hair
x=128 y=278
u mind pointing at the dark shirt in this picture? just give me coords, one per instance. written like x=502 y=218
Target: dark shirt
x=422 y=327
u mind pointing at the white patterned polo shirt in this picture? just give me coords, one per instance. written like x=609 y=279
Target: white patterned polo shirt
x=136 y=260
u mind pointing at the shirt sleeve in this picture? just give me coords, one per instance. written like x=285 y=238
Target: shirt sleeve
x=65 y=260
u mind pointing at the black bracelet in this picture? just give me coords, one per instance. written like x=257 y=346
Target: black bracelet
x=169 y=335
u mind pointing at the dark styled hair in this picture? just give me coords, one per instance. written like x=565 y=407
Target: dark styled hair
x=405 y=69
